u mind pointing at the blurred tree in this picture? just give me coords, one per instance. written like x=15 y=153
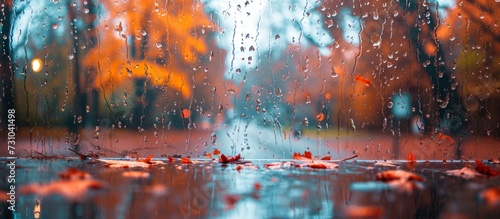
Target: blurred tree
x=6 y=80
x=157 y=42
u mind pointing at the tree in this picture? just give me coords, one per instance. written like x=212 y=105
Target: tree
x=155 y=43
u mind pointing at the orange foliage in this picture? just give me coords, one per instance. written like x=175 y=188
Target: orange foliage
x=164 y=38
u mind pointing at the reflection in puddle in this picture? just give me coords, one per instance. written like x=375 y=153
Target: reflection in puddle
x=209 y=189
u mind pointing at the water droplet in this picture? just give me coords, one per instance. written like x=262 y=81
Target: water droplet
x=159 y=45
x=440 y=74
x=71 y=56
x=80 y=119
x=86 y=10
x=336 y=45
x=277 y=36
x=54 y=26
x=213 y=137
x=389 y=105
x=279 y=93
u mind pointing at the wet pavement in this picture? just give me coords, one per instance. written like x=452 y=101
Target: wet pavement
x=209 y=189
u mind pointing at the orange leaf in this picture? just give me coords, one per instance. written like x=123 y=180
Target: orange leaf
x=186 y=160
x=216 y=152
x=147 y=160
x=412 y=161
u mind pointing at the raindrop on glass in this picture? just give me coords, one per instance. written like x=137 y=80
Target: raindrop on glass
x=71 y=56
x=159 y=45
x=54 y=26
x=389 y=105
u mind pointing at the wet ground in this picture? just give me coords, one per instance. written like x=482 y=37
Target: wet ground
x=208 y=189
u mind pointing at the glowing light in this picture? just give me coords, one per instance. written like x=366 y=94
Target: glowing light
x=36 y=65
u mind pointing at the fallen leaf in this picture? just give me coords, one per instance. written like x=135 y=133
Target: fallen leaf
x=326 y=158
x=186 y=160
x=483 y=169
x=73 y=186
x=129 y=163
x=216 y=152
x=411 y=161
x=147 y=160
x=72 y=190
x=401 y=180
x=391 y=175
x=306 y=156
x=224 y=159
x=465 y=172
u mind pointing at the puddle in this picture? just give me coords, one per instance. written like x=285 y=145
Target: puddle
x=208 y=189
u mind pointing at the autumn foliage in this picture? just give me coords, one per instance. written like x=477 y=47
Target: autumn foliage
x=149 y=39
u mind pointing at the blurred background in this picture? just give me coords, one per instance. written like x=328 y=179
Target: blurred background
x=261 y=78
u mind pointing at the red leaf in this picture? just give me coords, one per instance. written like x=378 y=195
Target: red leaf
x=411 y=161
x=305 y=156
x=318 y=166
x=224 y=159
x=326 y=158
x=483 y=169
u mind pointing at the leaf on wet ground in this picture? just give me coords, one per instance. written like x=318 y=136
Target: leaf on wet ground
x=130 y=163
x=73 y=185
x=485 y=170
x=401 y=180
x=465 y=172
